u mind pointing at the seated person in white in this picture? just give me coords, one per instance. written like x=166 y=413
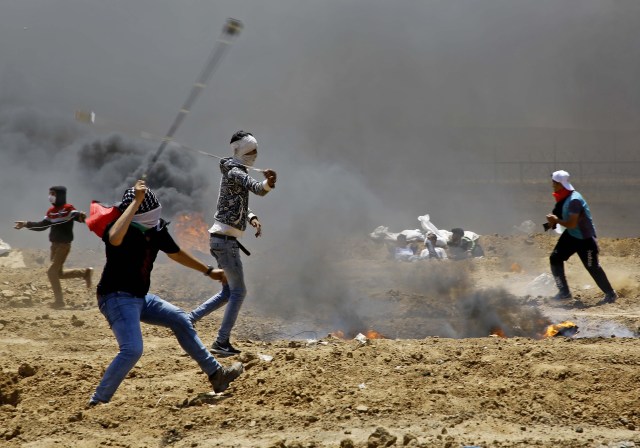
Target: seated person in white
x=403 y=251
x=431 y=252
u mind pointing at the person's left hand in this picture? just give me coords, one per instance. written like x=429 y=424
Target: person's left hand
x=82 y=216
x=255 y=222
x=552 y=219
x=218 y=274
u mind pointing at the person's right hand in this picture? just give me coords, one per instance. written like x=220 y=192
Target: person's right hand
x=271 y=177
x=140 y=189
x=20 y=224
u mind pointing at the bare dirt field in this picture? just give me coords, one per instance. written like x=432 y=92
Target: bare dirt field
x=437 y=379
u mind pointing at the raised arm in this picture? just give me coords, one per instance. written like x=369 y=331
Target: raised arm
x=120 y=227
x=256 y=187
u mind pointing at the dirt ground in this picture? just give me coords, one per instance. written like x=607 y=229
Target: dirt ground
x=438 y=379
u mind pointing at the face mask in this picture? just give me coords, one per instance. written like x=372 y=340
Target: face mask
x=52 y=199
x=248 y=159
x=148 y=219
x=242 y=147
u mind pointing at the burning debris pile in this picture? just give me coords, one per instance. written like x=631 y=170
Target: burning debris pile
x=191 y=233
x=420 y=301
x=368 y=334
x=496 y=312
x=567 y=329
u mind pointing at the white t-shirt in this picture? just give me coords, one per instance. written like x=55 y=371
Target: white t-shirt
x=440 y=254
x=403 y=253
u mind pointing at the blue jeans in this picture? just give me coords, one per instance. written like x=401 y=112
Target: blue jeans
x=227 y=253
x=124 y=312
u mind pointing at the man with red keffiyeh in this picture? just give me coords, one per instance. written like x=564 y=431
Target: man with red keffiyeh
x=59 y=219
x=572 y=212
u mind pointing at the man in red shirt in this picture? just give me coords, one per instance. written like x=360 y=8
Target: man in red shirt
x=59 y=219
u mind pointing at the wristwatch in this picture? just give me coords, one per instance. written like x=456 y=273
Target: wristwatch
x=209 y=270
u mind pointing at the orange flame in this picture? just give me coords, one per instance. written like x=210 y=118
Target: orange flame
x=372 y=334
x=191 y=232
x=497 y=331
x=566 y=328
x=369 y=334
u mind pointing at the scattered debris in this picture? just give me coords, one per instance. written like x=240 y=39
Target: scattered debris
x=542 y=285
x=76 y=322
x=381 y=438
x=5 y=249
x=527 y=227
x=362 y=339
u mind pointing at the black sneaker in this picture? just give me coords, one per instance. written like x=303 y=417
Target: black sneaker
x=562 y=296
x=609 y=297
x=223 y=350
x=93 y=403
x=57 y=305
x=221 y=378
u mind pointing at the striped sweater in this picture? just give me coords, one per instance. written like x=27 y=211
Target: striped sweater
x=233 y=198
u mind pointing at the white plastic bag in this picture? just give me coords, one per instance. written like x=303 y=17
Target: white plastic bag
x=471 y=235
x=414 y=235
x=442 y=236
x=381 y=233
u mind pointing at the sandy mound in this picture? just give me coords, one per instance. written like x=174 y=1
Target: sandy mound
x=438 y=379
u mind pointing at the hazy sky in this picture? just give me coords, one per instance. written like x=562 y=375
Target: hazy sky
x=357 y=104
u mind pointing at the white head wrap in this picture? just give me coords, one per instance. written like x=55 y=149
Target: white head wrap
x=243 y=146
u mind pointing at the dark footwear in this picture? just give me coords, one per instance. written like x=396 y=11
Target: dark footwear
x=221 y=378
x=87 y=277
x=223 y=350
x=562 y=296
x=609 y=297
x=93 y=403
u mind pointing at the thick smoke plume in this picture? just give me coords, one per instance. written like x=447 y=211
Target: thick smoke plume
x=113 y=163
x=45 y=149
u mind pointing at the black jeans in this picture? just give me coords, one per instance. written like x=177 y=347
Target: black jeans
x=587 y=250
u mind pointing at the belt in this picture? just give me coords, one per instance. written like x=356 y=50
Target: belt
x=222 y=236
x=231 y=238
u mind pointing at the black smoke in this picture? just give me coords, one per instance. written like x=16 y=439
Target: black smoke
x=43 y=148
x=113 y=163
